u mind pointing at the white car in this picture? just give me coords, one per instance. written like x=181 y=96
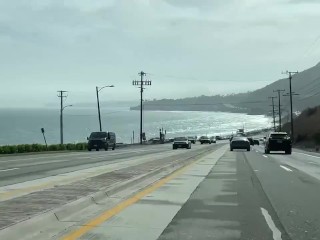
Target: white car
x=181 y=142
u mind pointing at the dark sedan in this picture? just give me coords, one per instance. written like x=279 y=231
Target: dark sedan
x=239 y=143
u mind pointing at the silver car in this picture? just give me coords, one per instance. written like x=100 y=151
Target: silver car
x=239 y=143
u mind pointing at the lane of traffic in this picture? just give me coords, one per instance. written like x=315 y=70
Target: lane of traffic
x=293 y=192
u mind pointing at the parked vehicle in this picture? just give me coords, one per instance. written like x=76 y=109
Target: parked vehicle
x=256 y=142
x=240 y=143
x=278 y=141
x=181 y=142
x=102 y=140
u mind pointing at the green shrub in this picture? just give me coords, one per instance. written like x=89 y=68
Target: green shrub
x=62 y=147
x=70 y=146
x=81 y=146
x=21 y=148
x=53 y=147
x=27 y=148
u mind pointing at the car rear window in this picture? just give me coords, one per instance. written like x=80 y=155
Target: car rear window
x=180 y=139
x=278 y=136
x=239 y=139
x=98 y=135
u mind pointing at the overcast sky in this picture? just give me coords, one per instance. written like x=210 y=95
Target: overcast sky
x=187 y=47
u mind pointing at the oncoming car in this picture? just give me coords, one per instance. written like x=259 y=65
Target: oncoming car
x=204 y=139
x=239 y=143
x=181 y=142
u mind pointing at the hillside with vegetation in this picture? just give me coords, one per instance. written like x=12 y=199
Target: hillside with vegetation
x=305 y=83
x=306 y=128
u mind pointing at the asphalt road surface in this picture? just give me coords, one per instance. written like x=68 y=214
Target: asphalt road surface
x=242 y=195
x=227 y=195
x=22 y=168
x=251 y=195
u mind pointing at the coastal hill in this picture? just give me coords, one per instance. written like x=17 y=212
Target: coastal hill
x=306 y=84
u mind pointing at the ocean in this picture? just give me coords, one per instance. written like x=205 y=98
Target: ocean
x=23 y=126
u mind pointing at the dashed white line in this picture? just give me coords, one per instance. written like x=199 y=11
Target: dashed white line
x=308 y=155
x=285 y=168
x=9 y=169
x=265 y=156
x=313 y=163
x=275 y=231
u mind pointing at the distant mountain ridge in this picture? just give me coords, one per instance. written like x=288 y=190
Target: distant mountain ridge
x=306 y=84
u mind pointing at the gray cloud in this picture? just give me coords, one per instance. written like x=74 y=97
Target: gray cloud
x=75 y=45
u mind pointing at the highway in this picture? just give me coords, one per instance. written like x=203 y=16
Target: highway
x=218 y=195
x=16 y=169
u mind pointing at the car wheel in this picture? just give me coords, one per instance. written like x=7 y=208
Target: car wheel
x=114 y=147
x=288 y=151
x=231 y=149
x=209 y=142
x=97 y=149
x=201 y=142
x=174 y=148
x=106 y=147
x=89 y=149
x=248 y=149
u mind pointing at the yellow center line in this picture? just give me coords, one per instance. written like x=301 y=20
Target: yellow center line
x=121 y=206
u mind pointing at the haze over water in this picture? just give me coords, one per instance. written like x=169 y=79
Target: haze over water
x=22 y=126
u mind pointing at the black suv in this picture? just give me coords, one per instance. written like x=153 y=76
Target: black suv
x=278 y=141
x=102 y=140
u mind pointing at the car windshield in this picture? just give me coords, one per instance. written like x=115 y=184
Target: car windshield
x=98 y=135
x=180 y=139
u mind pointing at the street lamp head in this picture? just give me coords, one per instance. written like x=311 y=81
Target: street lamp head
x=111 y=86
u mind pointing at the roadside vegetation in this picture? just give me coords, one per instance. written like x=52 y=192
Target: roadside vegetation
x=306 y=128
x=26 y=148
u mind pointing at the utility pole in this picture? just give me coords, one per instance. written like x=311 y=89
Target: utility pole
x=141 y=83
x=273 y=113
x=61 y=95
x=279 y=91
x=291 y=110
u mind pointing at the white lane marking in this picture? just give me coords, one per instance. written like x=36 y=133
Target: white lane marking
x=313 y=163
x=275 y=231
x=285 y=168
x=265 y=156
x=9 y=169
x=307 y=155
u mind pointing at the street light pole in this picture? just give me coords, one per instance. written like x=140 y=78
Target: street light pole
x=99 y=115
x=61 y=96
x=61 y=122
x=98 y=103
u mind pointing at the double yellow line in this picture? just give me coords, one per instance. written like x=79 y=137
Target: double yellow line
x=121 y=206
